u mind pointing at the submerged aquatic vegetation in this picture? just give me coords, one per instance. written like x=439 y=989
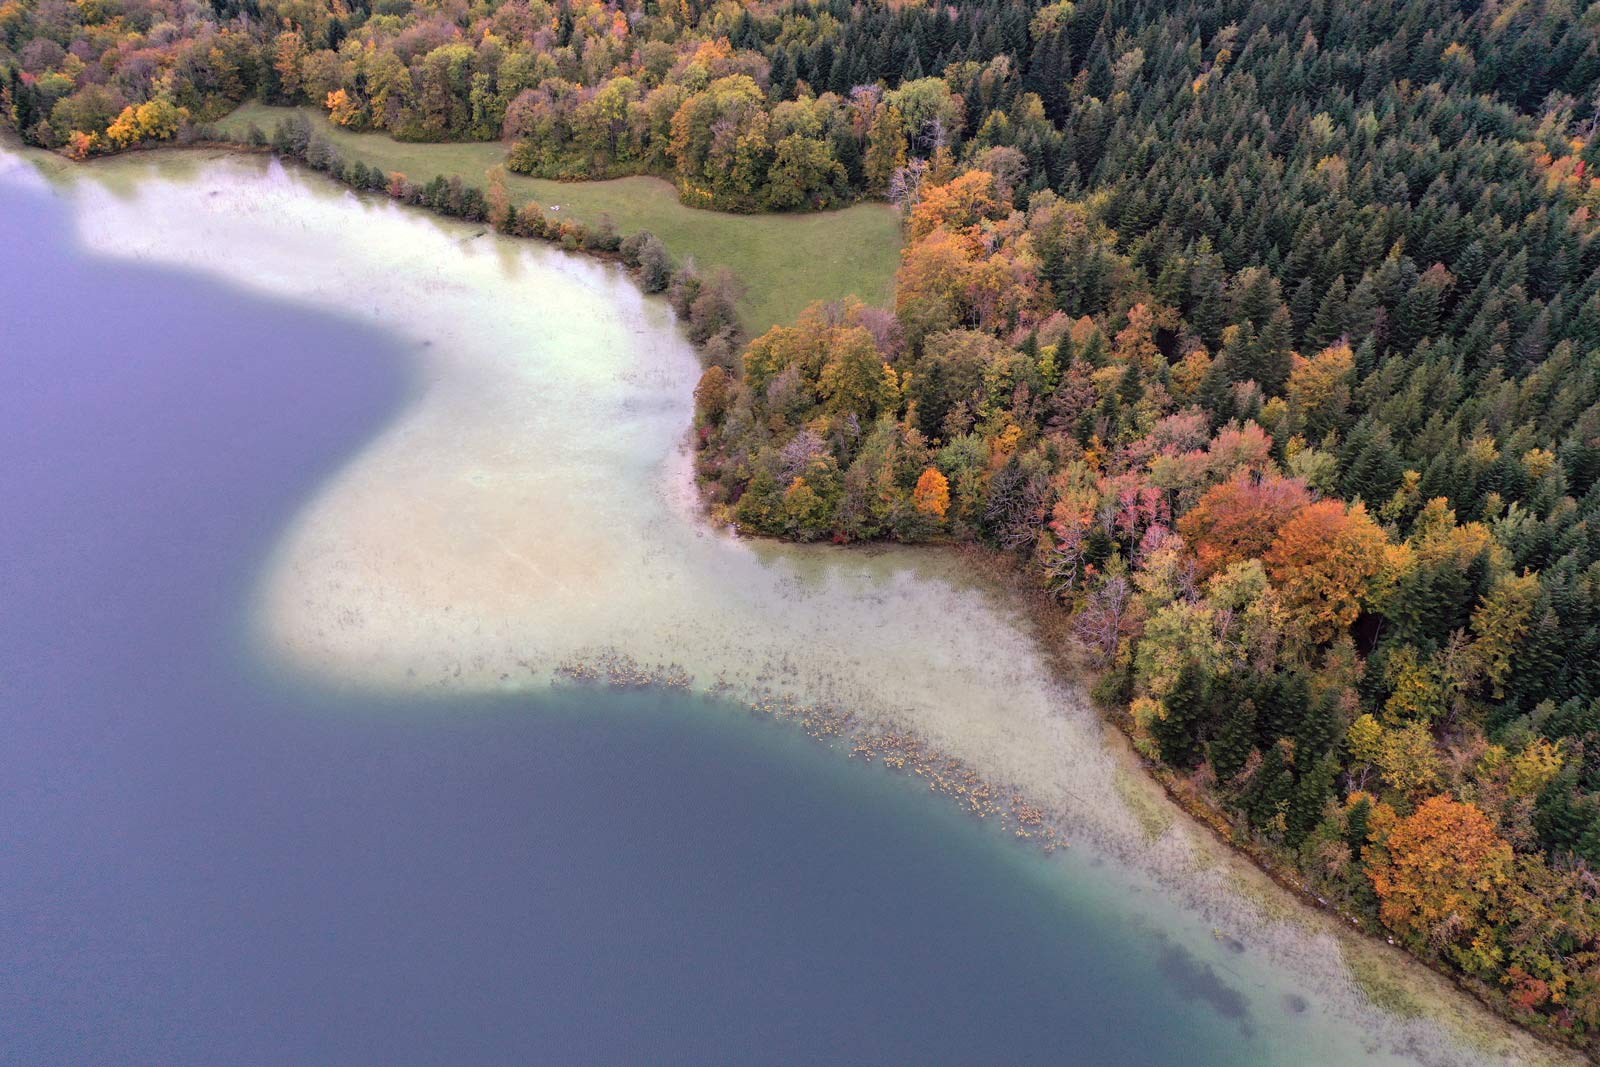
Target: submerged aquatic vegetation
x=490 y=535
x=897 y=749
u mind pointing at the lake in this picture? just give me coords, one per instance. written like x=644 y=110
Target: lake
x=313 y=502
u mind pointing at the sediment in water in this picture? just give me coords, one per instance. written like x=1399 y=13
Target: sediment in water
x=533 y=506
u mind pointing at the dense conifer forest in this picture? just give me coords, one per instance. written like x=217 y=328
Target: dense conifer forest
x=1265 y=336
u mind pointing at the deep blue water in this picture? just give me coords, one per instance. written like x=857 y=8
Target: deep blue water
x=204 y=864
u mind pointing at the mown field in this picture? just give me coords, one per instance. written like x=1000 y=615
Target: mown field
x=784 y=261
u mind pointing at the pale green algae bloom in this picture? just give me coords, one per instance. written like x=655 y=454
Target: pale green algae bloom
x=533 y=505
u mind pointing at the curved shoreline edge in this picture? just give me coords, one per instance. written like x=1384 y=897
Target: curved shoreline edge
x=1227 y=833
x=1074 y=678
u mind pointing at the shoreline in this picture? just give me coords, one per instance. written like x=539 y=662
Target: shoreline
x=1066 y=657
x=1067 y=661
x=904 y=755
x=1223 y=829
x=1054 y=653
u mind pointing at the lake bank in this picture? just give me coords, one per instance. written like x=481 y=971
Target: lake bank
x=784 y=261
x=531 y=505
x=209 y=862
x=1072 y=662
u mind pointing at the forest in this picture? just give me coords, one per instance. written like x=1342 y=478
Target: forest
x=1265 y=337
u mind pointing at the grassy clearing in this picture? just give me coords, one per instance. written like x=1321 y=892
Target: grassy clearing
x=784 y=261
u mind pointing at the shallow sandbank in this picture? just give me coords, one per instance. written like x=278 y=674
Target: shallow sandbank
x=532 y=507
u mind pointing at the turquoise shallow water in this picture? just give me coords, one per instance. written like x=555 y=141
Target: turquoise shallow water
x=204 y=864
x=205 y=859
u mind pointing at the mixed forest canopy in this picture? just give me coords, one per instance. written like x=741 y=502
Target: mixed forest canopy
x=1265 y=335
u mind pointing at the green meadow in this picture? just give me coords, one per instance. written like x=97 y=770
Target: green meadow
x=783 y=261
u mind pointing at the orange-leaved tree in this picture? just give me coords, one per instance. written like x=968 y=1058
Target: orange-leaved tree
x=1240 y=519
x=930 y=287
x=1439 y=876
x=956 y=205
x=932 y=494
x=1325 y=560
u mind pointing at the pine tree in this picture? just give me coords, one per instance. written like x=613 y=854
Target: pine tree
x=1419 y=314
x=1276 y=352
x=1270 y=789
x=1311 y=793
x=1131 y=389
x=1177 y=731
x=839 y=74
x=1242 y=354
x=25 y=109
x=1205 y=308
x=1358 y=825
x=1331 y=323
x=782 y=75
x=1279 y=699
x=1316 y=730
x=1231 y=748
x=1372 y=471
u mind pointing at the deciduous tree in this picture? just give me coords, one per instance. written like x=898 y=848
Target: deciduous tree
x=1240 y=519
x=1325 y=560
x=1439 y=875
x=932 y=494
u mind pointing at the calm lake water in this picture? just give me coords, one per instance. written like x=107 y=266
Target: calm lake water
x=205 y=859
